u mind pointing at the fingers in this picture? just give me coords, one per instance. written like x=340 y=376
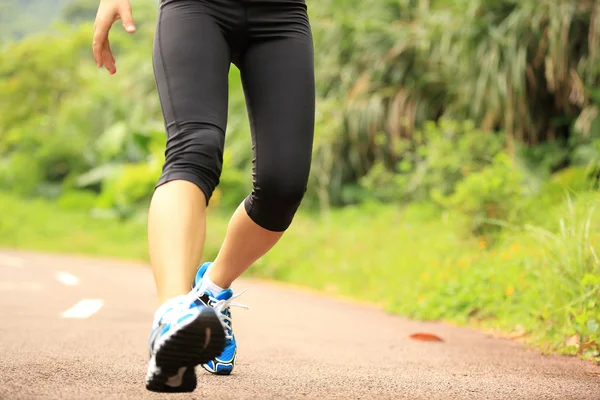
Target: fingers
x=108 y=59
x=102 y=51
x=100 y=39
x=126 y=16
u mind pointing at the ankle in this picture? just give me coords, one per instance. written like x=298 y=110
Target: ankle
x=215 y=276
x=208 y=284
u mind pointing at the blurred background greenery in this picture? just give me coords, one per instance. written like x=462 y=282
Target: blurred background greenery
x=456 y=162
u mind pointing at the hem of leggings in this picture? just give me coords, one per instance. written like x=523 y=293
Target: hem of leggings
x=184 y=176
x=248 y=206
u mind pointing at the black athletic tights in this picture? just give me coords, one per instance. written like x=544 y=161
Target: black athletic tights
x=270 y=41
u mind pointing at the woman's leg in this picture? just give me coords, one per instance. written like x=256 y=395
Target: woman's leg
x=191 y=61
x=278 y=77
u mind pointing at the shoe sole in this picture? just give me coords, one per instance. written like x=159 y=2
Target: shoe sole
x=198 y=342
x=221 y=373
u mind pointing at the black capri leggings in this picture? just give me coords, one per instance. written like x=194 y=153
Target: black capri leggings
x=270 y=41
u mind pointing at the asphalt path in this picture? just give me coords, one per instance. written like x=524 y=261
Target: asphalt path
x=77 y=328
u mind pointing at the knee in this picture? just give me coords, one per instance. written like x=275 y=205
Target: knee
x=279 y=192
x=274 y=202
x=195 y=153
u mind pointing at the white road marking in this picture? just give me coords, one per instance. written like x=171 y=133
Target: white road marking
x=83 y=309
x=66 y=279
x=10 y=261
x=20 y=286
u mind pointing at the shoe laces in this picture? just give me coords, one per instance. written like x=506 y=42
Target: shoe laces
x=222 y=306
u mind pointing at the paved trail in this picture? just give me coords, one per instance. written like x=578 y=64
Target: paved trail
x=75 y=328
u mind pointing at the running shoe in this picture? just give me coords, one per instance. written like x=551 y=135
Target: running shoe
x=185 y=333
x=223 y=363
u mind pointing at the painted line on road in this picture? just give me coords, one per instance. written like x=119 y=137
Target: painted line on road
x=10 y=261
x=66 y=278
x=20 y=286
x=83 y=309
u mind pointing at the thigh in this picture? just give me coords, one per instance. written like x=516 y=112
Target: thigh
x=278 y=78
x=191 y=63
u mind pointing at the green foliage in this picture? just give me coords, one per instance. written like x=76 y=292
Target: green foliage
x=234 y=186
x=20 y=174
x=487 y=196
x=526 y=68
x=80 y=200
x=436 y=160
x=576 y=179
x=69 y=226
x=70 y=126
x=45 y=118
x=395 y=83
x=544 y=159
x=573 y=264
x=131 y=187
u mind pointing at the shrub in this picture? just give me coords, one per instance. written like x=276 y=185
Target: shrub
x=487 y=197
x=441 y=155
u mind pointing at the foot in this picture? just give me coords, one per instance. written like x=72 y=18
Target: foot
x=185 y=333
x=222 y=364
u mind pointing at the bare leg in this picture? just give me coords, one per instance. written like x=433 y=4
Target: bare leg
x=245 y=242
x=176 y=232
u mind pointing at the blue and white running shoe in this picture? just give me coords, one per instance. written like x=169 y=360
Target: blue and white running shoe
x=185 y=333
x=222 y=364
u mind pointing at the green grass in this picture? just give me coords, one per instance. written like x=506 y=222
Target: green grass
x=542 y=281
x=43 y=226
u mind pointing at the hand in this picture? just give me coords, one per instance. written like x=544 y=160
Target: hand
x=108 y=12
